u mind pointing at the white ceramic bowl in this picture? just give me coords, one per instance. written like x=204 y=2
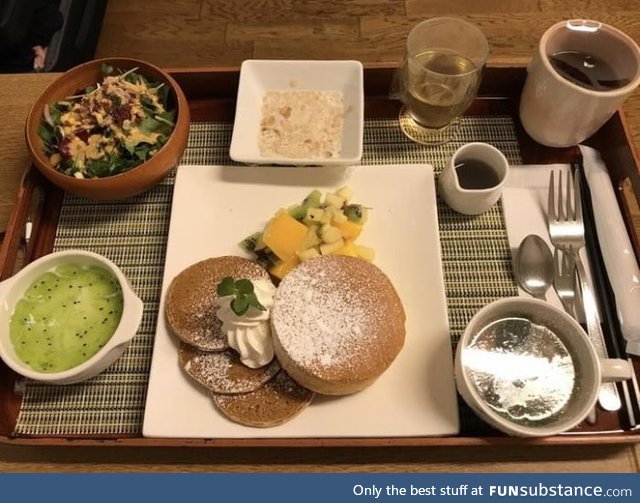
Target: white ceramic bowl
x=527 y=371
x=13 y=289
x=260 y=76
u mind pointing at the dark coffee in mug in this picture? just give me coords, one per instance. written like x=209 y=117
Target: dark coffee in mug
x=588 y=71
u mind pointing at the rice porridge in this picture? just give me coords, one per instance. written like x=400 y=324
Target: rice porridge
x=301 y=124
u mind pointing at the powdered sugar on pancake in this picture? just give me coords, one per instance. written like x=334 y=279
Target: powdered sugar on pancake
x=328 y=318
x=223 y=372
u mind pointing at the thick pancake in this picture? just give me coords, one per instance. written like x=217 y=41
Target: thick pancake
x=190 y=301
x=337 y=324
x=275 y=403
x=223 y=372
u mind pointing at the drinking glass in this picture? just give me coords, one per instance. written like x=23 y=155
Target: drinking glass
x=439 y=77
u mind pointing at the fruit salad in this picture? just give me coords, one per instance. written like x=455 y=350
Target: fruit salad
x=322 y=224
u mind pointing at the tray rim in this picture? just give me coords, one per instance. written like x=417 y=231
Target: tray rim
x=503 y=79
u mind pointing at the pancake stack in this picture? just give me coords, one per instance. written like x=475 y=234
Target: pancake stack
x=337 y=324
x=261 y=397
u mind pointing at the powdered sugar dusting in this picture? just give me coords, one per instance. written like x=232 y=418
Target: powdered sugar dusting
x=330 y=315
x=223 y=372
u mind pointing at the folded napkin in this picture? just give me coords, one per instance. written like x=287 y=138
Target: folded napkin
x=617 y=251
x=524 y=201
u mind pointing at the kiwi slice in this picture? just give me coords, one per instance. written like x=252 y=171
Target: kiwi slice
x=355 y=213
x=298 y=212
x=252 y=243
x=313 y=200
x=265 y=258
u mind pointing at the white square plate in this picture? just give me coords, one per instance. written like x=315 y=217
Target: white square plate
x=260 y=76
x=214 y=207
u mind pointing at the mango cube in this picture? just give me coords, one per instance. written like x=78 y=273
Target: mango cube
x=284 y=236
x=349 y=229
x=282 y=268
x=322 y=224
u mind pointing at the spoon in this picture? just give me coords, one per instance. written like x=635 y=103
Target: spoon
x=534 y=272
x=534 y=266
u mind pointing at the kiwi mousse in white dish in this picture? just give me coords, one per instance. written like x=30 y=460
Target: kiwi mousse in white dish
x=66 y=317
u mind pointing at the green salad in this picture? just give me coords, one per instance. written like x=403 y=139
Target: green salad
x=108 y=129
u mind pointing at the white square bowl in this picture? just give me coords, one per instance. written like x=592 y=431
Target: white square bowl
x=260 y=76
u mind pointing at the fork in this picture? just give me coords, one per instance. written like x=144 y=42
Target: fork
x=564 y=278
x=566 y=230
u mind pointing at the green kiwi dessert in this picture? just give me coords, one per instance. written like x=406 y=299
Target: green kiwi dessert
x=65 y=317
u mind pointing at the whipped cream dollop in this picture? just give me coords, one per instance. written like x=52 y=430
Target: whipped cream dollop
x=250 y=333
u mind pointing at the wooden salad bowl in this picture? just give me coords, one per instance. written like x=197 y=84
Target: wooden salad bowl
x=128 y=183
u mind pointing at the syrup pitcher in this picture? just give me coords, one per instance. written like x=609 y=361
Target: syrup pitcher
x=580 y=74
x=472 y=180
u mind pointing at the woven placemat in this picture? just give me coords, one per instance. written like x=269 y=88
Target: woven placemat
x=133 y=233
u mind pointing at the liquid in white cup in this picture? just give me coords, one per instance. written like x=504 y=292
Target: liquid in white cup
x=581 y=72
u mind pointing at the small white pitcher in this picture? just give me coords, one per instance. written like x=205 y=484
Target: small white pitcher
x=473 y=201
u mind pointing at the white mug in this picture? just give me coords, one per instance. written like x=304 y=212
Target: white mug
x=469 y=199
x=556 y=111
x=519 y=371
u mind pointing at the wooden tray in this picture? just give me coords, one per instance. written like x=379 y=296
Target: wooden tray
x=211 y=94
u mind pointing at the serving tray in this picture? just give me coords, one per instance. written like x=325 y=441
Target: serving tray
x=211 y=94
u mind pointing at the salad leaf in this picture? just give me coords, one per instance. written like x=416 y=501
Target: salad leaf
x=99 y=168
x=47 y=132
x=149 y=125
x=163 y=94
x=142 y=151
x=106 y=69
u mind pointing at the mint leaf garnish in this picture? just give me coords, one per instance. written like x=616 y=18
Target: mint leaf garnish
x=244 y=286
x=240 y=304
x=243 y=293
x=253 y=301
x=226 y=287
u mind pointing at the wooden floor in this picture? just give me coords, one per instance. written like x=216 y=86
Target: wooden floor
x=225 y=32
x=172 y=33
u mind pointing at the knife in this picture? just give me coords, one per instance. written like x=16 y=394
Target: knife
x=608 y=396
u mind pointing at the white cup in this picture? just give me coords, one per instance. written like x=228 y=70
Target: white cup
x=557 y=112
x=472 y=201
x=521 y=371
